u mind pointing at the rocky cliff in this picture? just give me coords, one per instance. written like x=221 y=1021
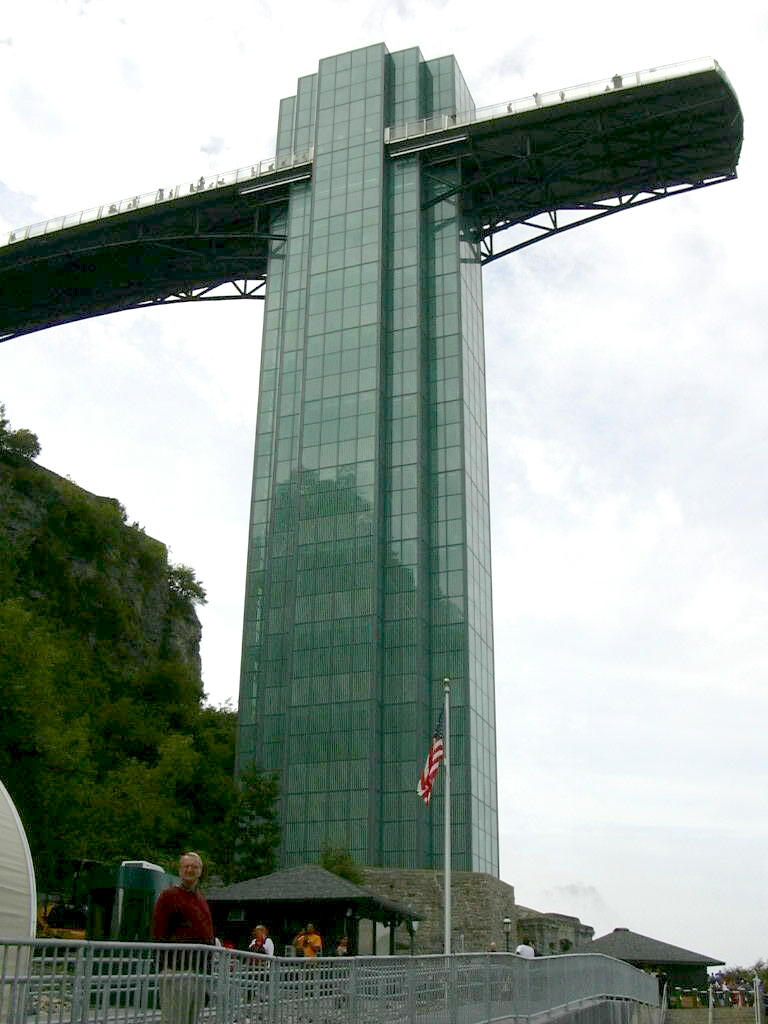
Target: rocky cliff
x=100 y=684
x=70 y=555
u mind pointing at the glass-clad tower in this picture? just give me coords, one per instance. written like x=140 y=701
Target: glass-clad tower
x=369 y=555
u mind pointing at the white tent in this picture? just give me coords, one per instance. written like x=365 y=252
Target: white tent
x=18 y=894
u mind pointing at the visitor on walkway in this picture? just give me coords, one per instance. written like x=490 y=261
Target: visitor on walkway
x=308 y=942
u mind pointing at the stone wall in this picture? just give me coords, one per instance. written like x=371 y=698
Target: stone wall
x=479 y=905
x=552 y=933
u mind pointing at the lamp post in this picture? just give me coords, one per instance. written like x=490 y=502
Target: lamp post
x=507 y=923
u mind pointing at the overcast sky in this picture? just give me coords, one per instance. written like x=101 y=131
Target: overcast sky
x=627 y=419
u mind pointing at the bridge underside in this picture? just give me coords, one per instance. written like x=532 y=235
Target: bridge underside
x=176 y=250
x=526 y=176
x=550 y=169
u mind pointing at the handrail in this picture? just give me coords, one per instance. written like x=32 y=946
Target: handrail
x=97 y=980
x=442 y=122
x=161 y=195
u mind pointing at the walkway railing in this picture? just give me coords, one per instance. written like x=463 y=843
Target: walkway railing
x=60 y=982
x=442 y=122
x=749 y=996
x=160 y=195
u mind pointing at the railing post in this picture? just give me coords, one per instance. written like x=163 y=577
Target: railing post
x=663 y=1002
x=452 y=992
x=15 y=961
x=273 y=990
x=354 y=989
x=223 y=982
x=758 y=999
x=410 y=981
x=489 y=980
x=81 y=984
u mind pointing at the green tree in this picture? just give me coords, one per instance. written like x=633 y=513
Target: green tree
x=17 y=442
x=212 y=793
x=340 y=861
x=735 y=976
x=45 y=740
x=252 y=833
x=183 y=583
x=139 y=808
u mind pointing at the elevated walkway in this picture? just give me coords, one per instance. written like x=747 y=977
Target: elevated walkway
x=536 y=166
x=100 y=983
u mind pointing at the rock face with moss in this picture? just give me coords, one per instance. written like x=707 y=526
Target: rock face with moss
x=71 y=555
x=105 y=744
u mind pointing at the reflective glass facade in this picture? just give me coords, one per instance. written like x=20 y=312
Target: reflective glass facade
x=369 y=556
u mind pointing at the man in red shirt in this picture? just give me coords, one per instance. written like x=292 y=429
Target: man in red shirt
x=182 y=915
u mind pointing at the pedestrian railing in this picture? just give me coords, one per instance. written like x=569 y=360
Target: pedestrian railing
x=259 y=169
x=60 y=982
x=748 y=994
x=554 y=97
x=721 y=1001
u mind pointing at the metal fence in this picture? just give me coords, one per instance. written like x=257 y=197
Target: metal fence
x=749 y=995
x=60 y=982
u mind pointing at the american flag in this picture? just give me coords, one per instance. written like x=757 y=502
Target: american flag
x=434 y=758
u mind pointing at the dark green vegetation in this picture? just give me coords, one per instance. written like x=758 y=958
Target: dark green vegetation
x=743 y=977
x=106 y=744
x=340 y=861
x=17 y=442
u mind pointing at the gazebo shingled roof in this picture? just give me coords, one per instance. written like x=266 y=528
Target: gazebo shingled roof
x=623 y=944
x=311 y=883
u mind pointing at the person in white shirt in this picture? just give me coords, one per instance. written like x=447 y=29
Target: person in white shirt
x=526 y=949
x=261 y=942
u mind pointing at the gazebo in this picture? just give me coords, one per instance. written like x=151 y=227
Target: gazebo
x=286 y=900
x=682 y=968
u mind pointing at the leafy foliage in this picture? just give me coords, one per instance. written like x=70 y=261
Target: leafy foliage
x=252 y=828
x=17 y=442
x=340 y=861
x=106 y=744
x=184 y=585
x=736 y=977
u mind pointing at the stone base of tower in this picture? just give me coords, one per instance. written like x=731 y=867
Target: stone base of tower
x=479 y=905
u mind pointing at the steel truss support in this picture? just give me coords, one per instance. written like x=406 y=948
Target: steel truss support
x=543 y=183
x=241 y=289
x=220 y=291
x=552 y=222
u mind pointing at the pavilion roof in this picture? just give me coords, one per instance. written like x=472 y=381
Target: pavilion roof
x=631 y=946
x=312 y=883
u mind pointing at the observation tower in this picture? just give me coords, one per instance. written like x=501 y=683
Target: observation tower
x=369 y=573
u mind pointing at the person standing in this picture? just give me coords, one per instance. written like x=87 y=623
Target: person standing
x=308 y=942
x=261 y=942
x=526 y=949
x=182 y=915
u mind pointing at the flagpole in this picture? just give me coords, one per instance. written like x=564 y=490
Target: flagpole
x=447 y=817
